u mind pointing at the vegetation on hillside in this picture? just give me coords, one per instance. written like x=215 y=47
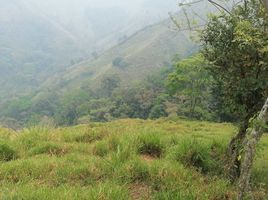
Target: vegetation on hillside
x=125 y=159
x=166 y=158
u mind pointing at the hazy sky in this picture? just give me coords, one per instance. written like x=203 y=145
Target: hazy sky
x=128 y=5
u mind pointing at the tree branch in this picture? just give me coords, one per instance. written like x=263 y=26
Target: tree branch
x=220 y=6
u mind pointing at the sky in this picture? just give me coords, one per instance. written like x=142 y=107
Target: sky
x=128 y=5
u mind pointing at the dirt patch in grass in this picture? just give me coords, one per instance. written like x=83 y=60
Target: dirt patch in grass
x=148 y=158
x=140 y=191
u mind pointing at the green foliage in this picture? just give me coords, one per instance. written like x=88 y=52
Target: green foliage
x=235 y=46
x=191 y=83
x=157 y=111
x=120 y=63
x=18 y=106
x=68 y=111
x=7 y=153
x=109 y=84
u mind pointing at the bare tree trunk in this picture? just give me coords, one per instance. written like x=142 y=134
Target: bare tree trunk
x=265 y=3
x=234 y=148
x=250 y=150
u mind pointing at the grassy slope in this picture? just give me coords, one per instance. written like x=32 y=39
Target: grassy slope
x=146 y=51
x=125 y=159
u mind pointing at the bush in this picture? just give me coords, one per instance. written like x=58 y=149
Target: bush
x=120 y=63
x=150 y=144
x=7 y=153
x=158 y=111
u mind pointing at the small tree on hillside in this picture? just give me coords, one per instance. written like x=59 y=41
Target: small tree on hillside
x=191 y=82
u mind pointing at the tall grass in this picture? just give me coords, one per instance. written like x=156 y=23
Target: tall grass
x=124 y=159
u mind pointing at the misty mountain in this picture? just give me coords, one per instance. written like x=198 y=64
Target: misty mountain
x=52 y=48
x=143 y=53
x=40 y=38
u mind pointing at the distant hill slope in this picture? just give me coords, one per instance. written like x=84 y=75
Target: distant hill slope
x=40 y=38
x=135 y=58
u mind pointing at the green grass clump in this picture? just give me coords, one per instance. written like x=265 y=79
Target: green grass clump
x=88 y=138
x=194 y=153
x=102 y=191
x=126 y=159
x=100 y=149
x=28 y=138
x=174 y=194
x=135 y=171
x=49 y=148
x=7 y=153
x=150 y=144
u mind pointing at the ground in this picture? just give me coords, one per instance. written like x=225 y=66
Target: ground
x=124 y=159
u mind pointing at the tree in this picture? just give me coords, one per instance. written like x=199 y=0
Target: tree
x=236 y=44
x=120 y=63
x=108 y=84
x=191 y=82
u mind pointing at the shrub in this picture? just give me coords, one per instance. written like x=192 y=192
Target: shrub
x=7 y=153
x=120 y=63
x=150 y=144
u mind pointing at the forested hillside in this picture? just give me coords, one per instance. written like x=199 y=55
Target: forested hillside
x=132 y=60
x=125 y=61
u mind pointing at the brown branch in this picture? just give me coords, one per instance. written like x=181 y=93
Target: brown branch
x=220 y=6
x=190 y=3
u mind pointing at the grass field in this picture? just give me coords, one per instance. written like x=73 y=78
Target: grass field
x=125 y=159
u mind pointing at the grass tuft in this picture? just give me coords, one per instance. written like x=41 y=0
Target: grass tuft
x=7 y=153
x=100 y=149
x=49 y=148
x=193 y=153
x=150 y=144
x=135 y=171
